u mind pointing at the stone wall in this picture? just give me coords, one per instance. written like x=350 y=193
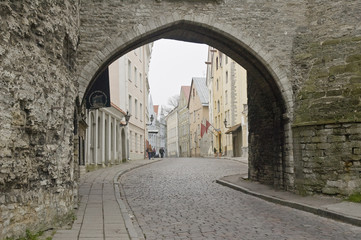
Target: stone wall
x=266 y=135
x=38 y=42
x=327 y=86
x=329 y=158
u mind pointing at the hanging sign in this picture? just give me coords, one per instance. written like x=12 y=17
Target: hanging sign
x=98 y=95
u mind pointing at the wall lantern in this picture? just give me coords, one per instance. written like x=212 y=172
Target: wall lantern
x=127 y=117
x=151 y=120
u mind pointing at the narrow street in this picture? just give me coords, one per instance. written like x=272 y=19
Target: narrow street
x=179 y=199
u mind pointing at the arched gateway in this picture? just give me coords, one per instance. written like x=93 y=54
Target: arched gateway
x=304 y=88
x=270 y=101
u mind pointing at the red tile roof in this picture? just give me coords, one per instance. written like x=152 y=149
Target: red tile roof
x=186 y=90
x=156 y=107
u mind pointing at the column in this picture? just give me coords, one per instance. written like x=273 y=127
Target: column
x=114 y=141
x=102 y=140
x=96 y=137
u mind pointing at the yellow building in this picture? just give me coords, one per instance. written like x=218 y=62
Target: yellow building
x=227 y=82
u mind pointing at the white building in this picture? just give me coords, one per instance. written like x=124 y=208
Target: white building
x=172 y=133
x=108 y=141
x=157 y=135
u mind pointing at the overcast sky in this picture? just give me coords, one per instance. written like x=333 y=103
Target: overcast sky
x=172 y=65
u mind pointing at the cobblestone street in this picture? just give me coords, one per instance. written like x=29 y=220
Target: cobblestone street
x=179 y=199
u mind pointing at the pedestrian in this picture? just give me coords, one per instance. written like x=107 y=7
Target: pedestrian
x=161 y=151
x=149 y=152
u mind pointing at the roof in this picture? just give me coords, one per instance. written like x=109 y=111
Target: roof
x=234 y=128
x=156 y=107
x=186 y=91
x=202 y=90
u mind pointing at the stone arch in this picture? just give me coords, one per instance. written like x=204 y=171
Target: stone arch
x=242 y=48
x=267 y=82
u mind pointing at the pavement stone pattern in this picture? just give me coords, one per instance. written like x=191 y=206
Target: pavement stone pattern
x=179 y=199
x=99 y=216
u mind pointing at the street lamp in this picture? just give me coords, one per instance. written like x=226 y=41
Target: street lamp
x=127 y=117
x=151 y=120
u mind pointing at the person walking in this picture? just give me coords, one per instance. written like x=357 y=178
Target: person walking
x=161 y=151
x=149 y=152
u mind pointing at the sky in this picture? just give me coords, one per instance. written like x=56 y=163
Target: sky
x=172 y=65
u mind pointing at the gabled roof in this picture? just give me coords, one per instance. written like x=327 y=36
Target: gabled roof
x=186 y=91
x=202 y=90
x=156 y=107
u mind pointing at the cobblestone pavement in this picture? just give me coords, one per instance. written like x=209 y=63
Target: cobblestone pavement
x=179 y=199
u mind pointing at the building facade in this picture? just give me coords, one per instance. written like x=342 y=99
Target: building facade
x=227 y=84
x=198 y=114
x=137 y=63
x=183 y=122
x=108 y=141
x=172 y=133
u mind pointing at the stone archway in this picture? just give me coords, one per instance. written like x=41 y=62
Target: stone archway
x=309 y=67
x=270 y=103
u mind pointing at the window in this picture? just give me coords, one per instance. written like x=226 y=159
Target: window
x=129 y=70
x=141 y=112
x=217 y=84
x=136 y=142
x=216 y=63
x=140 y=81
x=226 y=59
x=141 y=143
x=226 y=93
x=130 y=104
x=135 y=76
x=131 y=141
x=226 y=76
x=219 y=106
x=136 y=108
x=194 y=92
x=220 y=59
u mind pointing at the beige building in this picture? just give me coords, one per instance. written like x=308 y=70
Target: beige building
x=183 y=122
x=198 y=114
x=227 y=83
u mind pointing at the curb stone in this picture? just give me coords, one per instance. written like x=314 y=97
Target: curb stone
x=122 y=205
x=303 y=207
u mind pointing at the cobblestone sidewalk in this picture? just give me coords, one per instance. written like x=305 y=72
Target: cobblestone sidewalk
x=102 y=214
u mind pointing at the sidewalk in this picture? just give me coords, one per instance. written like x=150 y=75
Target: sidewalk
x=329 y=207
x=102 y=214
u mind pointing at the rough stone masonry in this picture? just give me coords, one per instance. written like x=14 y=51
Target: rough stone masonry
x=303 y=59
